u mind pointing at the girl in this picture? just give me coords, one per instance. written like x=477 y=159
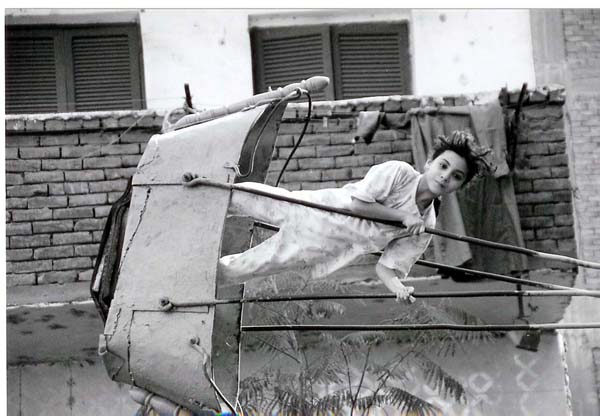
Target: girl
x=316 y=243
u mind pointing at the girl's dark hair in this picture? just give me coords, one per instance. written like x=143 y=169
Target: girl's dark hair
x=462 y=143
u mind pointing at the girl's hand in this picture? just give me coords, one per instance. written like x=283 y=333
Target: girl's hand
x=414 y=224
x=404 y=293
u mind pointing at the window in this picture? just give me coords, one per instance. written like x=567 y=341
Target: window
x=68 y=68
x=360 y=59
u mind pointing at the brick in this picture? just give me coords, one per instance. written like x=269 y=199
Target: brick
x=360 y=172
x=292 y=186
x=130 y=160
x=15 y=125
x=87 y=250
x=109 y=123
x=43 y=177
x=19 y=254
x=85 y=276
x=54 y=226
x=27 y=190
x=97 y=236
x=277 y=165
x=523 y=186
x=121 y=149
x=285 y=140
x=108 y=186
x=408 y=103
x=102 y=162
x=545 y=245
x=76 y=187
x=54 y=125
x=533 y=173
x=537 y=222
x=16 y=203
x=556 y=233
x=316 y=163
x=392 y=106
x=401 y=146
x=28 y=266
x=72 y=263
x=57 y=277
x=337 y=174
x=334 y=150
x=385 y=136
x=23 y=165
x=31 y=215
x=101 y=212
x=553 y=209
x=121 y=173
x=136 y=136
x=88 y=199
x=90 y=224
x=534 y=198
x=84 y=175
x=80 y=151
x=74 y=124
x=11 y=153
x=562 y=172
x=22 y=141
x=381 y=147
x=59 y=140
x=47 y=201
x=97 y=138
x=302 y=176
x=551 y=160
x=53 y=252
x=337 y=139
x=26 y=279
x=19 y=228
x=352 y=161
x=92 y=123
x=301 y=152
x=62 y=164
x=32 y=125
x=84 y=212
x=560 y=220
x=39 y=152
x=39 y=240
x=114 y=196
x=71 y=238
x=551 y=184
x=293 y=128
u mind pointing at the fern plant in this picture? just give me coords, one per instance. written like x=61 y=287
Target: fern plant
x=345 y=374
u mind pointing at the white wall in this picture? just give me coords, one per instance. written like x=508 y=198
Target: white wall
x=453 y=51
x=468 y=51
x=208 y=49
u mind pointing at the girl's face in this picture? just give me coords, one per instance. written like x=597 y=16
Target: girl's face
x=446 y=173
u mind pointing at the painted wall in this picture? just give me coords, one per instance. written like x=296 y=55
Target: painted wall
x=453 y=51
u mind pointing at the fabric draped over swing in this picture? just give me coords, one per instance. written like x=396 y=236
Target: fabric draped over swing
x=487 y=207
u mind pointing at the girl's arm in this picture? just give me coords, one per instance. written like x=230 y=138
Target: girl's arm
x=413 y=223
x=392 y=282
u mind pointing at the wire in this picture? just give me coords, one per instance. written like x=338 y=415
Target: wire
x=299 y=139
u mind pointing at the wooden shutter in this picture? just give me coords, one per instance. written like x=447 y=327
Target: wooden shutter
x=32 y=80
x=371 y=60
x=282 y=56
x=105 y=69
x=67 y=68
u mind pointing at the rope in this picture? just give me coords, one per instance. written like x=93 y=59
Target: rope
x=190 y=181
x=418 y=327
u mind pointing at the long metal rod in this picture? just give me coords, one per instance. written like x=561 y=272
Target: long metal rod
x=418 y=327
x=190 y=181
x=168 y=305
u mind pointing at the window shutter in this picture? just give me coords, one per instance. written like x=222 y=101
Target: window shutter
x=286 y=55
x=371 y=60
x=105 y=70
x=30 y=74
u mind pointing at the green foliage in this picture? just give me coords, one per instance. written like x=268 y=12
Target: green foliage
x=344 y=374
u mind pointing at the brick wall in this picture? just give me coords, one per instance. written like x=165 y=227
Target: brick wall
x=582 y=45
x=63 y=172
